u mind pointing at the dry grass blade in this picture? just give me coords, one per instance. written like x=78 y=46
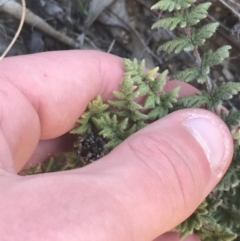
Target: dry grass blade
x=233 y=5
x=18 y=31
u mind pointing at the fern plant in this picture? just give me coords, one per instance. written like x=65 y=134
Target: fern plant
x=108 y=124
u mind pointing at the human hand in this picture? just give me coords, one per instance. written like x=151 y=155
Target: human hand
x=142 y=189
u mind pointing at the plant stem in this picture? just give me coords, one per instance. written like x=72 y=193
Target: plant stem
x=198 y=59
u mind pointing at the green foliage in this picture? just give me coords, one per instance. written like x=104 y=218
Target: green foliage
x=198 y=38
x=194 y=222
x=200 y=35
x=213 y=99
x=216 y=233
x=96 y=109
x=170 y=5
x=141 y=99
x=218 y=217
x=124 y=115
x=230 y=180
x=188 y=16
x=231 y=119
x=63 y=162
x=211 y=58
x=178 y=44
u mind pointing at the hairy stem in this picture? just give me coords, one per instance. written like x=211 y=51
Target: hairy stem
x=198 y=59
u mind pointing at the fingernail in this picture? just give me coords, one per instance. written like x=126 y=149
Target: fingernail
x=211 y=134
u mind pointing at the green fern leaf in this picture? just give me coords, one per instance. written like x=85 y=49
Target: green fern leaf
x=133 y=115
x=188 y=75
x=143 y=89
x=96 y=106
x=168 y=98
x=157 y=113
x=128 y=132
x=82 y=129
x=112 y=143
x=159 y=81
x=232 y=118
x=227 y=90
x=127 y=85
x=177 y=45
x=228 y=216
x=213 y=204
x=125 y=104
x=211 y=58
x=194 y=222
x=120 y=95
x=168 y=23
x=194 y=101
x=193 y=15
x=200 y=35
x=230 y=180
x=223 y=92
x=150 y=75
x=150 y=101
x=216 y=233
x=133 y=69
x=170 y=5
x=122 y=126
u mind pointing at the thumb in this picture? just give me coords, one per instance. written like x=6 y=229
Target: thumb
x=162 y=173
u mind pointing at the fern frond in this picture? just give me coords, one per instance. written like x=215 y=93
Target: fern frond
x=193 y=15
x=157 y=84
x=168 y=98
x=96 y=108
x=228 y=217
x=157 y=112
x=200 y=35
x=194 y=222
x=189 y=74
x=227 y=90
x=168 y=23
x=150 y=75
x=194 y=101
x=211 y=58
x=177 y=45
x=143 y=89
x=222 y=92
x=216 y=233
x=230 y=180
x=170 y=5
x=150 y=101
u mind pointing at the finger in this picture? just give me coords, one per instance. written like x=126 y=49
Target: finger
x=161 y=174
x=145 y=187
x=173 y=236
x=47 y=92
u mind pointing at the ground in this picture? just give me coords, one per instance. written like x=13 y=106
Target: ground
x=122 y=28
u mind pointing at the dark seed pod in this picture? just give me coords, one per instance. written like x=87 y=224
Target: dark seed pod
x=91 y=148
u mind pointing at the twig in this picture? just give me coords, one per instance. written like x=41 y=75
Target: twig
x=111 y=46
x=15 y=9
x=229 y=4
x=23 y=14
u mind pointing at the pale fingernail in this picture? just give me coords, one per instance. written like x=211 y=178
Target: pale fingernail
x=211 y=135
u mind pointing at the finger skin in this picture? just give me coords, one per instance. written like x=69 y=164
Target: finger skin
x=173 y=236
x=42 y=95
x=143 y=188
